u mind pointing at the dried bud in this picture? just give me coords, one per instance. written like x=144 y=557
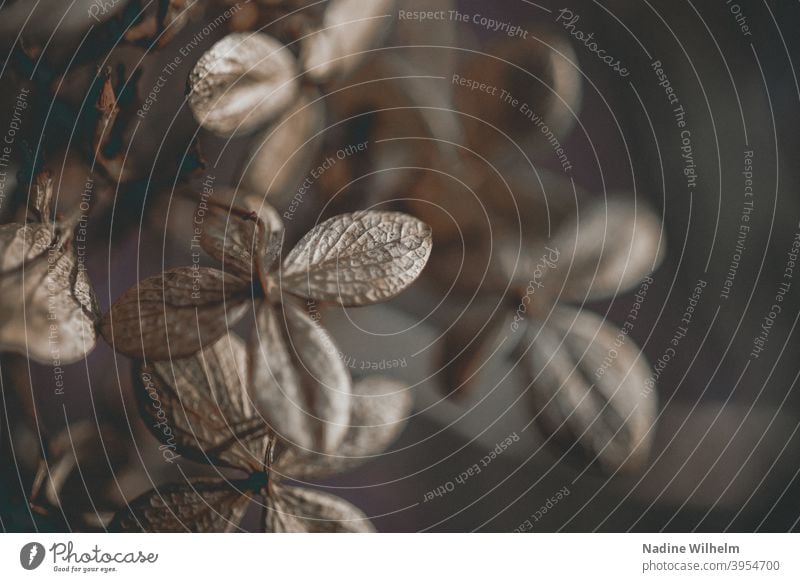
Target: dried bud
x=243 y=82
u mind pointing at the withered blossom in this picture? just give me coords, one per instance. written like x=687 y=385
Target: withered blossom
x=47 y=306
x=206 y=402
x=296 y=378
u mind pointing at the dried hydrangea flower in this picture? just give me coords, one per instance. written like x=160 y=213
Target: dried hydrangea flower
x=205 y=402
x=586 y=379
x=47 y=306
x=241 y=83
x=296 y=378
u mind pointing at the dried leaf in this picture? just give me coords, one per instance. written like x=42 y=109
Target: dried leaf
x=297 y=380
x=199 y=405
x=359 y=258
x=243 y=82
x=300 y=510
x=349 y=28
x=199 y=505
x=611 y=248
x=175 y=314
x=585 y=393
x=47 y=307
x=380 y=409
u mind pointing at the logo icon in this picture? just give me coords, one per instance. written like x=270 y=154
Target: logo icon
x=31 y=555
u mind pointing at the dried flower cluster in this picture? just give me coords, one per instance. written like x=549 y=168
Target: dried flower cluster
x=231 y=367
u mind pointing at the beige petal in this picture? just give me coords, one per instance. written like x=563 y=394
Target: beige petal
x=349 y=27
x=199 y=407
x=300 y=510
x=380 y=409
x=241 y=83
x=175 y=314
x=610 y=249
x=358 y=259
x=199 y=505
x=47 y=307
x=282 y=155
x=297 y=380
x=588 y=390
x=23 y=242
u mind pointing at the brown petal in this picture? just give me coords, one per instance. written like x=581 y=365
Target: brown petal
x=241 y=83
x=358 y=259
x=175 y=314
x=349 y=27
x=236 y=236
x=199 y=405
x=614 y=244
x=47 y=308
x=380 y=409
x=541 y=74
x=297 y=380
x=199 y=505
x=582 y=393
x=300 y=510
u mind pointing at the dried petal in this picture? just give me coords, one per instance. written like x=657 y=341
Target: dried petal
x=380 y=409
x=42 y=196
x=199 y=505
x=58 y=314
x=243 y=82
x=236 y=237
x=349 y=28
x=297 y=380
x=23 y=242
x=175 y=314
x=359 y=258
x=282 y=156
x=300 y=510
x=200 y=406
x=605 y=408
x=614 y=244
